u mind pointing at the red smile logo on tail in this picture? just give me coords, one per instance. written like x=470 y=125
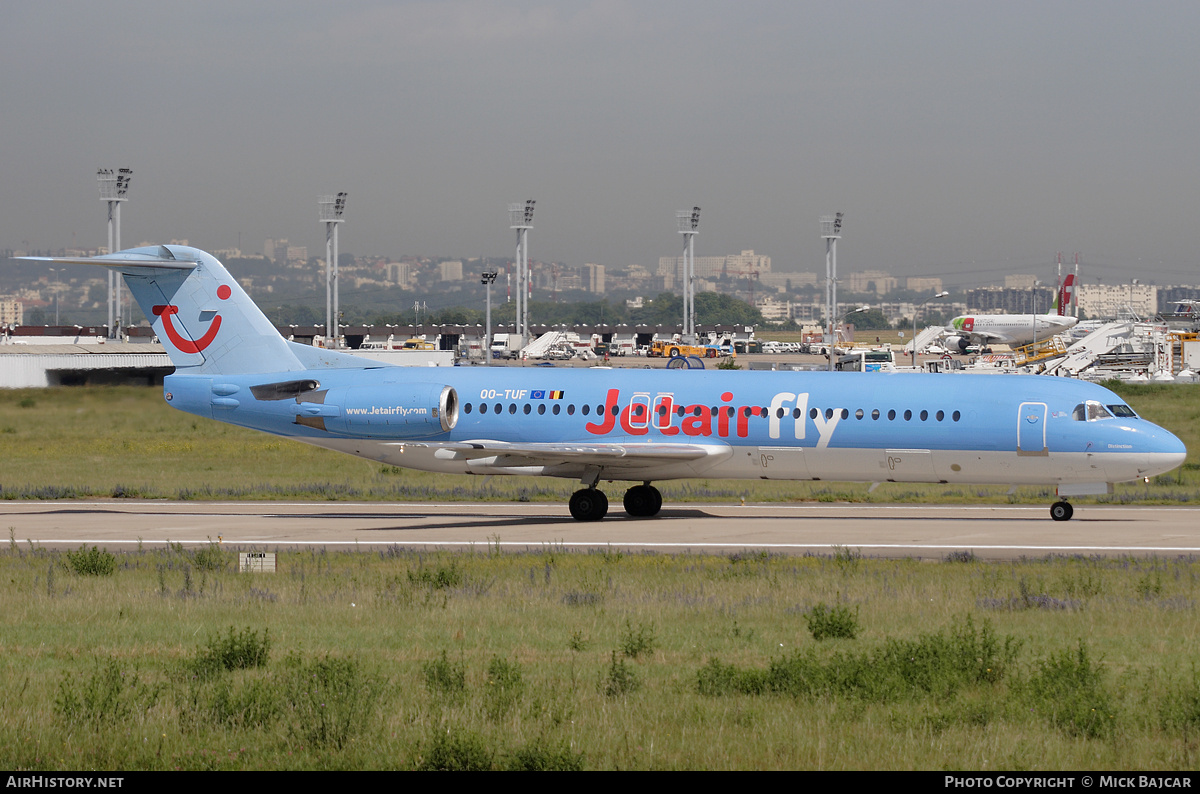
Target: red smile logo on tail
x=187 y=345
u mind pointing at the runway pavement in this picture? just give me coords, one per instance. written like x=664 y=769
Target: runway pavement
x=927 y=532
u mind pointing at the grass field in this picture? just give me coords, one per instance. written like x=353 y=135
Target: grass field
x=169 y=659
x=126 y=442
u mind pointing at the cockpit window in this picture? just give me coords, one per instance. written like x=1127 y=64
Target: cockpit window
x=1123 y=411
x=1091 y=410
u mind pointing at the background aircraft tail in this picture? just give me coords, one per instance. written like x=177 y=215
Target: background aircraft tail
x=1066 y=292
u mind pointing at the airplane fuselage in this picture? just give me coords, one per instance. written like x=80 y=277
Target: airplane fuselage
x=1008 y=329
x=865 y=427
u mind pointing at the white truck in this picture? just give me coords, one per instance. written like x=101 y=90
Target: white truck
x=506 y=346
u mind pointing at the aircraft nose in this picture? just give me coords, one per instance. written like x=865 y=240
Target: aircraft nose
x=1167 y=451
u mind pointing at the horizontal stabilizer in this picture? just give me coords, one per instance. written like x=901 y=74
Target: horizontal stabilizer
x=153 y=258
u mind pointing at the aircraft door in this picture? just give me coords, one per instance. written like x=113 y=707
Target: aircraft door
x=1031 y=429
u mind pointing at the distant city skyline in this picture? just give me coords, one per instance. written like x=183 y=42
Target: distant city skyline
x=964 y=142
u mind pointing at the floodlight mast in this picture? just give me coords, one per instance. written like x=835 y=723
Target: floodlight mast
x=688 y=224
x=831 y=232
x=487 y=278
x=114 y=185
x=520 y=218
x=332 y=208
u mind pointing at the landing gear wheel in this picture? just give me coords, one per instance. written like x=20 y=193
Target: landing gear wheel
x=643 y=501
x=588 y=504
x=1061 y=511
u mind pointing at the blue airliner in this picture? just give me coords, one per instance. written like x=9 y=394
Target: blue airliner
x=640 y=426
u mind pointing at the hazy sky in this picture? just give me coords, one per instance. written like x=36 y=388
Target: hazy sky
x=971 y=138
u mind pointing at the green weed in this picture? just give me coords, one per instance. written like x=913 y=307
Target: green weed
x=541 y=755
x=836 y=622
x=92 y=563
x=504 y=686
x=211 y=558
x=441 y=578
x=444 y=676
x=330 y=700
x=456 y=750
x=620 y=678
x=639 y=641
x=237 y=650
x=1068 y=689
x=111 y=695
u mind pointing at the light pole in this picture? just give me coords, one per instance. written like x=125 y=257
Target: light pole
x=56 y=271
x=520 y=219
x=332 y=208
x=688 y=224
x=1036 y=284
x=114 y=185
x=831 y=232
x=488 y=278
x=914 y=336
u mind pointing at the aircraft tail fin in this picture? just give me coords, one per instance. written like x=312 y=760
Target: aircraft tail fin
x=204 y=319
x=1066 y=292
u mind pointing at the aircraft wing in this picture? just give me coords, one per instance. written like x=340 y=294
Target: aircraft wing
x=609 y=456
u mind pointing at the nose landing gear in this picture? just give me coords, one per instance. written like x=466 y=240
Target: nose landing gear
x=1061 y=511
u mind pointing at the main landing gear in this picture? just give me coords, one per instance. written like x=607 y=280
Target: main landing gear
x=641 y=501
x=1061 y=511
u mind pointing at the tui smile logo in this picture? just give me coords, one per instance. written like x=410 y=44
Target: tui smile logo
x=187 y=345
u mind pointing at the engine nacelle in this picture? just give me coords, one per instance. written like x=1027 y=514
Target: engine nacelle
x=392 y=410
x=957 y=341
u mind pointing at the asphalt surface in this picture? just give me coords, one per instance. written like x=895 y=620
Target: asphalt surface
x=893 y=531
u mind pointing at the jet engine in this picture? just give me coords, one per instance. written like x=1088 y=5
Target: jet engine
x=391 y=410
x=958 y=341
